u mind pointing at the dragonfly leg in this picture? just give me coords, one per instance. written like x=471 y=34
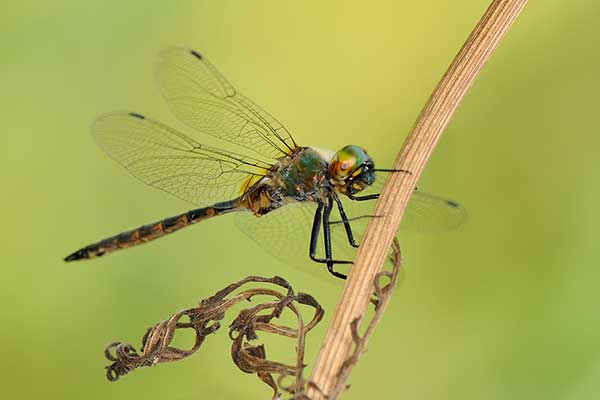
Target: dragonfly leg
x=367 y=197
x=327 y=240
x=314 y=234
x=363 y=198
x=335 y=273
x=346 y=222
x=323 y=215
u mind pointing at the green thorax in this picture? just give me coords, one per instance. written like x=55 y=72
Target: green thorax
x=301 y=175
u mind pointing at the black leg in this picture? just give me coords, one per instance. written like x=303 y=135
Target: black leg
x=314 y=234
x=327 y=240
x=363 y=198
x=355 y=219
x=314 y=239
x=346 y=222
x=367 y=197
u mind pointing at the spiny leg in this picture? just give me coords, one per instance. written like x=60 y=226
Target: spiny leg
x=346 y=222
x=314 y=240
x=327 y=240
x=355 y=218
x=363 y=198
x=367 y=197
x=314 y=234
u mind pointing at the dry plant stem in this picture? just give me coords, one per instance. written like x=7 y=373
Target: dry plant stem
x=383 y=296
x=414 y=155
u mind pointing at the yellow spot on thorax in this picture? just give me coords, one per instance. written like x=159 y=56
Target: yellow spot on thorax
x=249 y=182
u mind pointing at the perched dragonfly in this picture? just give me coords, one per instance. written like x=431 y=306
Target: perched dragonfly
x=292 y=188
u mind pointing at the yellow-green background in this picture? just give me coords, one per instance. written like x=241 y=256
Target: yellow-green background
x=504 y=308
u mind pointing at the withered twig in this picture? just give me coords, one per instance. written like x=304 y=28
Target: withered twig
x=204 y=320
x=382 y=297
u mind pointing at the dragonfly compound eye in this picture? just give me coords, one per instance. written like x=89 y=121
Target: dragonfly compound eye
x=344 y=163
x=342 y=169
x=348 y=163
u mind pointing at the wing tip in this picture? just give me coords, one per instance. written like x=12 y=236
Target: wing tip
x=97 y=124
x=196 y=54
x=452 y=203
x=136 y=115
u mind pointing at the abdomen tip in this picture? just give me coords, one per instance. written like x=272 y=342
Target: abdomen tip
x=78 y=255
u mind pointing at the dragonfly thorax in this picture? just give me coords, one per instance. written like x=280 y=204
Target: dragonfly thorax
x=301 y=176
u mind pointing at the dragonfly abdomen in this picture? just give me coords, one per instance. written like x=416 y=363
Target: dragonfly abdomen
x=152 y=231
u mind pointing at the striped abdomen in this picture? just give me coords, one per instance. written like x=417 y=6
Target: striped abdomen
x=153 y=231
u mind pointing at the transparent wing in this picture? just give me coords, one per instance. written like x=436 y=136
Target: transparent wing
x=169 y=160
x=430 y=213
x=203 y=99
x=285 y=234
x=425 y=212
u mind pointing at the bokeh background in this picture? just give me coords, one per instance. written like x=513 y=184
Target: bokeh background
x=504 y=307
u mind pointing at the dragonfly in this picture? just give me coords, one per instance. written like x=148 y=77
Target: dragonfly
x=283 y=193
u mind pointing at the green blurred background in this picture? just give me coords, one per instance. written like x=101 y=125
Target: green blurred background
x=505 y=307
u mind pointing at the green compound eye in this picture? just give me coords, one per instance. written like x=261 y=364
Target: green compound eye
x=346 y=161
x=354 y=153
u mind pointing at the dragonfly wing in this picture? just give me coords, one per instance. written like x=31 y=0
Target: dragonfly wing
x=425 y=212
x=169 y=160
x=284 y=233
x=430 y=213
x=203 y=99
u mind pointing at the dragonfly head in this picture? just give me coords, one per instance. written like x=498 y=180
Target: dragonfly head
x=351 y=170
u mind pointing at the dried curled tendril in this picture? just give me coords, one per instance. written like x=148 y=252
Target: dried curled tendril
x=204 y=320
